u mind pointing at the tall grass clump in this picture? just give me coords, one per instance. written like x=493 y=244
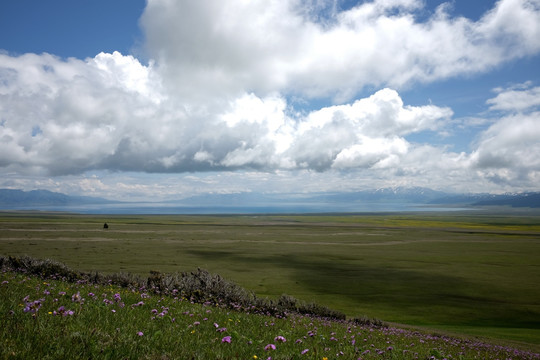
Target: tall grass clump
x=51 y=318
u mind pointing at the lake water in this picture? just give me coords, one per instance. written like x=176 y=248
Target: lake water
x=289 y=208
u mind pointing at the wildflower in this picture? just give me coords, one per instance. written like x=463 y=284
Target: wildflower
x=32 y=306
x=270 y=347
x=226 y=339
x=280 y=339
x=255 y=357
x=77 y=298
x=196 y=323
x=140 y=333
x=304 y=351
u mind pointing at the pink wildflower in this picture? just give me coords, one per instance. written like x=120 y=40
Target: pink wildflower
x=226 y=339
x=280 y=339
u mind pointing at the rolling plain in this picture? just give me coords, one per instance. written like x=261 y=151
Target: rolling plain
x=471 y=273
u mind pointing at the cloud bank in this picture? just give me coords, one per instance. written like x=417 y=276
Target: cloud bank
x=233 y=86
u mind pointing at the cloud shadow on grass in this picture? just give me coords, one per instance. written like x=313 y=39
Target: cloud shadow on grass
x=424 y=297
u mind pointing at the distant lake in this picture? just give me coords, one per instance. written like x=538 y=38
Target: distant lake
x=288 y=208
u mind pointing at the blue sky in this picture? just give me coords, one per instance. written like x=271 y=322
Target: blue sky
x=158 y=100
x=67 y=28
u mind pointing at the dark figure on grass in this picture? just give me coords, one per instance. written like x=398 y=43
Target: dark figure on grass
x=105 y=226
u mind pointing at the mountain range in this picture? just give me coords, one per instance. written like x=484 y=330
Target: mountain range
x=384 y=199
x=18 y=198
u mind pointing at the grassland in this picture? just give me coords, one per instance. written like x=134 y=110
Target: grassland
x=471 y=274
x=44 y=318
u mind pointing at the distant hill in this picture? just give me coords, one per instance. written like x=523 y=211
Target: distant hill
x=528 y=199
x=398 y=195
x=384 y=199
x=531 y=200
x=19 y=198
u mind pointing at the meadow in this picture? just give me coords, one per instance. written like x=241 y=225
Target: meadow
x=460 y=273
x=54 y=317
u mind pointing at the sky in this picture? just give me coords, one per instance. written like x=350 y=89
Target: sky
x=160 y=99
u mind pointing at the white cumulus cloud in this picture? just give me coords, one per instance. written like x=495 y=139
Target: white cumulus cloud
x=234 y=85
x=215 y=47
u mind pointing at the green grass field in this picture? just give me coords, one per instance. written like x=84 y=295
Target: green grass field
x=466 y=273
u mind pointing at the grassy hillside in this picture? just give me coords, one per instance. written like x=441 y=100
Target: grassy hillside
x=466 y=273
x=62 y=314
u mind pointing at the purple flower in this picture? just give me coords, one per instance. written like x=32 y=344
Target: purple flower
x=270 y=347
x=304 y=351
x=280 y=339
x=140 y=333
x=226 y=339
x=32 y=306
